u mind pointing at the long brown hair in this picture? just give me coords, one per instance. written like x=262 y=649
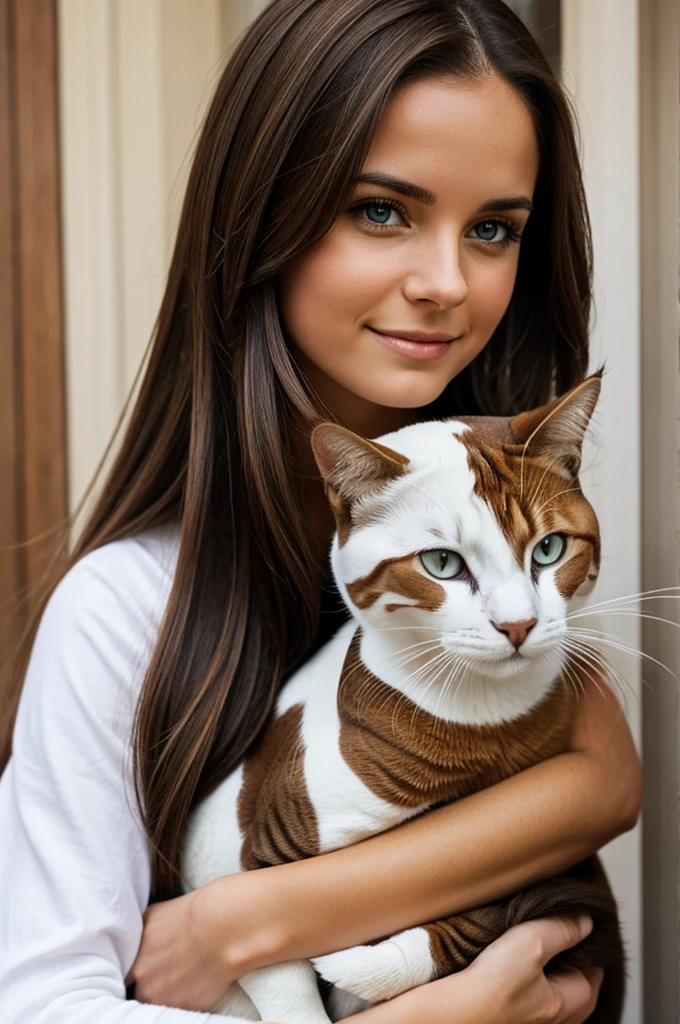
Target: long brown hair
x=208 y=442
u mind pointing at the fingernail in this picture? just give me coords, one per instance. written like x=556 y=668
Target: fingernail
x=585 y=924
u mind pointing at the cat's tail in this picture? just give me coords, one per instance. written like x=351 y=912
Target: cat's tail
x=583 y=890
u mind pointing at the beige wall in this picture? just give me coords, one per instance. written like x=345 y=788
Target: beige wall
x=135 y=77
x=600 y=68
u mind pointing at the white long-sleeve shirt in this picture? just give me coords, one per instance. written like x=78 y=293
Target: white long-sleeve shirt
x=74 y=863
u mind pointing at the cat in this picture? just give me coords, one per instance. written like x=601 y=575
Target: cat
x=460 y=546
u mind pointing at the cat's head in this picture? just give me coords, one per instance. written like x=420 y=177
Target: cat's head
x=475 y=527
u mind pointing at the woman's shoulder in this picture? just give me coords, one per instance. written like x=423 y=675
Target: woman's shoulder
x=116 y=593
x=97 y=633
x=126 y=580
x=136 y=564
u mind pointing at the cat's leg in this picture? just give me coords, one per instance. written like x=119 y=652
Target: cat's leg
x=287 y=993
x=236 y=1004
x=413 y=957
x=419 y=955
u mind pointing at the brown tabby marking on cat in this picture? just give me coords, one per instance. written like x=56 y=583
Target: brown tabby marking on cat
x=513 y=484
x=275 y=815
x=408 y=757
x=397 y=576
x=496 y=483
x=456 y=941
x=570 y=576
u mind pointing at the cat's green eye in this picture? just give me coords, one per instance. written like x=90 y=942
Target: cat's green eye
x=549 y=550
x=442 y=564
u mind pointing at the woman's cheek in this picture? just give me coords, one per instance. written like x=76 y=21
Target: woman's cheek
x=342 y=276
x=491 y=294
x=356 y=274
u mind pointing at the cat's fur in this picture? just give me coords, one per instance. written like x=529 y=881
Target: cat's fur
x=435 y=689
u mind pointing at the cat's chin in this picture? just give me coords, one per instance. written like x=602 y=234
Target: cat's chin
x=507 y=668
x=514 y=665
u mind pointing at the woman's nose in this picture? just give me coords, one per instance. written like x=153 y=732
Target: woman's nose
x=438 y=278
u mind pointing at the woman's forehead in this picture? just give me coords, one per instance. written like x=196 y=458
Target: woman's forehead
x=463 y=140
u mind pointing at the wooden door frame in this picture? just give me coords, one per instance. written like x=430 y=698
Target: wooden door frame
x=32 y=401
x=660 y=386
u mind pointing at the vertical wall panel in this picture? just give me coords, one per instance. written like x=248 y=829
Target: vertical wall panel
x=660 y=87
x=600 y=68
x=32 y=433
x=42 y=375
x=11 y=561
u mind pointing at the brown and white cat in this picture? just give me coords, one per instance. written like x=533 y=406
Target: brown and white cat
x=460 y=547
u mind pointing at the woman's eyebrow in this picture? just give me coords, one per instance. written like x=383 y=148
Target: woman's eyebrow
x=507 y=203
x=423 y=195
x=405 y=188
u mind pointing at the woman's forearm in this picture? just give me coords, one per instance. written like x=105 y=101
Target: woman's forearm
x=528 y=827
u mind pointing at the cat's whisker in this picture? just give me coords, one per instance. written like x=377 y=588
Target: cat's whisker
x=537 y=488
x=450 y=665
x=597 y=635
x=599 y=662
x=408 y=654
x=636 y=615
x=569 y=677
x=581 y=658
x=414 y=677
x=553 y=497
x=586 y=652
x=644 y=595
x=466 y=663
x=425 y=669
x=576 y=647
x=562 y=668
x=455 y=668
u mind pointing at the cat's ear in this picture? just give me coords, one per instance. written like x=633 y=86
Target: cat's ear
x=351 y=465
x=559 y=428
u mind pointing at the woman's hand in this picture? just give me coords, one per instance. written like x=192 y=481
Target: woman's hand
x=505 y=985
x=180 y=961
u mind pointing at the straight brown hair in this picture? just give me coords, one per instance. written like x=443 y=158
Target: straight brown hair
x=208 y=443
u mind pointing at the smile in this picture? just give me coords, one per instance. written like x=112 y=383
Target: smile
x=417 y=345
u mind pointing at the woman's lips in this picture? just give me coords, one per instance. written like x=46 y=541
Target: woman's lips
x=413 y=349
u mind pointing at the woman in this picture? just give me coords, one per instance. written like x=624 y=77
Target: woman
x=365 y=172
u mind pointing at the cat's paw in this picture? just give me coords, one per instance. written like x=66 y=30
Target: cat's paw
x=382 y=971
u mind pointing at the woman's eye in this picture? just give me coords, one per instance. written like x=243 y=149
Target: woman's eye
x=549 y=550
x=496 y=232
x=379 y=213
x=444 y=565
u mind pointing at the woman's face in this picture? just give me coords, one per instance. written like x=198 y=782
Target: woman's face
x=432 y=252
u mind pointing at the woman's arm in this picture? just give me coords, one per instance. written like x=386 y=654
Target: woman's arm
x=529 y=827
x=479 y=849
x=74 y=862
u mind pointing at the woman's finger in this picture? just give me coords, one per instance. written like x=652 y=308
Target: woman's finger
x=549 y=936
x=578 y=993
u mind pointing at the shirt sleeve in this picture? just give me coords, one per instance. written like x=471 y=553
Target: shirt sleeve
x=74 y=860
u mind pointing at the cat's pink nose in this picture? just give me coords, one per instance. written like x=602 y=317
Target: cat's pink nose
x=516 y=632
